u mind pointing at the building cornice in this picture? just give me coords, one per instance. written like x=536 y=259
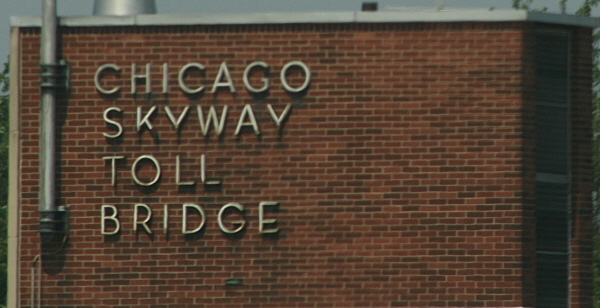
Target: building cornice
x=466 y=15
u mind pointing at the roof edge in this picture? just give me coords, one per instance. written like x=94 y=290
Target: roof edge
x=466 y=15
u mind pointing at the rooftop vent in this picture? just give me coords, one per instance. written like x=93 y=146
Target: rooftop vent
x=124 y=7
x=369 y=7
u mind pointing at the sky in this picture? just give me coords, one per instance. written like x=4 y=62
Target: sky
x=85 y=7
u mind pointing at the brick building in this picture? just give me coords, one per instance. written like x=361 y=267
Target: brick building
x=370 y=159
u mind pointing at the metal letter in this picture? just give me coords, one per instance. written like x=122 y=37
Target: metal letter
x=247 y=112
x=203 y=172
x=182 y=73
x=241 y=223
x=223 y=72
x=156 y=165
x=115 y=123
x=184 y=218
x=284 y=114
x=178 y=173
x=212 y=118
x=113 y=163
x=265 y=80
x=307 y=77
x=177 y=122
x=145 y=76
x=165 y=80
x=112 y=218
x=99 y=73
x=261 y=218
x=146 y=120
x=145 y=222
x=166 y=219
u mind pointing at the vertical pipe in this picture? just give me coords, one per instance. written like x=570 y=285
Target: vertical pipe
x=48 y=55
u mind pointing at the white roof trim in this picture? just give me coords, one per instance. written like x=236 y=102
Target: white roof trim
x=466 y=15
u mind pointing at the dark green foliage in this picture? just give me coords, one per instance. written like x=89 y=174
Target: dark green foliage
x=597 y=271
x=4 y=136
x=521 y=4
x=586 y=10
x=586 y=7
x=563 y=6
x=526 y=5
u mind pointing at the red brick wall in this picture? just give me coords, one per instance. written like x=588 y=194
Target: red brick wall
x=399 y=173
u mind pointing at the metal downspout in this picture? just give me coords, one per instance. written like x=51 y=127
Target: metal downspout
x=48 y=57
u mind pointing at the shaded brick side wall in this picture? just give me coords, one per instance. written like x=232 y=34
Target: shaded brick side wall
x=582 y=173
x=399 y=172
x=528 y=162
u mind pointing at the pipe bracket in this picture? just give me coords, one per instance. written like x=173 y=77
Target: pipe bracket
x=54 y=224
x=56 y=76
